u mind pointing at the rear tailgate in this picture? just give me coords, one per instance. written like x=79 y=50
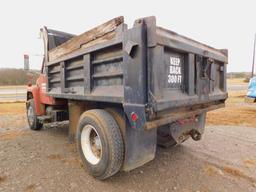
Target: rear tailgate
x=183 y=72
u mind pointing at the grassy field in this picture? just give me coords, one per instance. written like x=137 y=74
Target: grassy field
x=236 y=81
x=12 y=108
x=236 y=112
x=13 y=86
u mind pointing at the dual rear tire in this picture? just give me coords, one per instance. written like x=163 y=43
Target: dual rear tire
x=100 y=144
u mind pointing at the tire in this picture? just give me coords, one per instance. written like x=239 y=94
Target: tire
x=164 y=138
x=33 y=121
x=117 y=114
x=100 y=143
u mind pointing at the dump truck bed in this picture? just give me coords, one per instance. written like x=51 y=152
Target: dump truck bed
x=143 y=65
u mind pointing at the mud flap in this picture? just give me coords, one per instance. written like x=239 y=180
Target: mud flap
x=140 y=143
x=140 y=147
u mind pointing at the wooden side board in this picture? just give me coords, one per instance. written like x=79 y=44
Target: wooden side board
x=94 y=36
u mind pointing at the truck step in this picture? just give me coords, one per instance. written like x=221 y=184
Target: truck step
x=44 y=119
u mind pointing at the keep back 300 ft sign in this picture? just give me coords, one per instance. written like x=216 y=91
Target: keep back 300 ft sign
x=174 y=76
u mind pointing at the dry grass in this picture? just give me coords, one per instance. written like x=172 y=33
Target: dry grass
x=232 y=116
x=216 y=170
x=237 y=173
x=235 y=81
x=12 y=115
x=12 y=108
x=236 y=97
x=13 y=86
x=250 y=162
x=236 y=112
x=213 y=170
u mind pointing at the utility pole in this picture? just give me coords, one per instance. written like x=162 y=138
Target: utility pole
x=253 y=57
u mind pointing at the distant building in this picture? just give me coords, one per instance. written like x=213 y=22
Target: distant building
x=26 y=62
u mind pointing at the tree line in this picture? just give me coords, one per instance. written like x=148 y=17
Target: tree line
x=17 y=76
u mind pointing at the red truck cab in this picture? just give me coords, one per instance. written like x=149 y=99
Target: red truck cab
x=37 y=99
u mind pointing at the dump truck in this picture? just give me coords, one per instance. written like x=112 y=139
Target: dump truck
x=126 y=90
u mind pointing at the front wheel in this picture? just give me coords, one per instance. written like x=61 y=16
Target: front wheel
x=100 y=143
x=33 y=121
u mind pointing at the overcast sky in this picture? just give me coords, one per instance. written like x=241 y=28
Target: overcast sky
x=219 y=23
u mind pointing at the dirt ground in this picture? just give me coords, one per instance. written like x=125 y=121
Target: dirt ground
x=236 y=111
x=224 y=160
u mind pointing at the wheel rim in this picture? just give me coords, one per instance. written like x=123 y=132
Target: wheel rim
x=91 y=144
x=30 y=115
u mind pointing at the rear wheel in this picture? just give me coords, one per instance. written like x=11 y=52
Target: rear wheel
x=33 y=121
x=100 y=143
x=164 y=137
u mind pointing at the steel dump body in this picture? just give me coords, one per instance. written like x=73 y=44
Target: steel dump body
x=133 y=66
x=153 y=72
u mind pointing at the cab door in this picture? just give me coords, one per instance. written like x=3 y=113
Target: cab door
x=41 y=84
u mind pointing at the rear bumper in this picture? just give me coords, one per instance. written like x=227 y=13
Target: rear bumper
x=161 y=105
x=180 y=115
